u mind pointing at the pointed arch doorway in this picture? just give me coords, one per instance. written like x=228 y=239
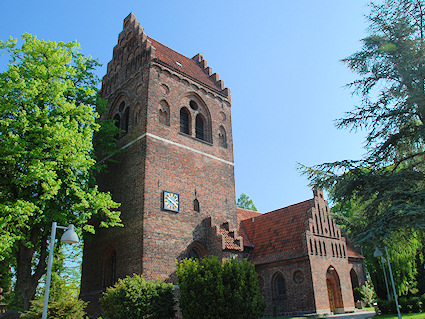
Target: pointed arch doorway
x=334 y=291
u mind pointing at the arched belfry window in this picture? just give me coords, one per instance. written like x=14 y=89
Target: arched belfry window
x=200 y=127
x=195 y=117
x=279 y=286
x=122 y=118
x=184 y=121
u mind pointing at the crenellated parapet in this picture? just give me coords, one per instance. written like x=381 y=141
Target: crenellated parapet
x=199 y=59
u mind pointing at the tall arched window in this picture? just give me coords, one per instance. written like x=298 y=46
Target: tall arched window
x=200 y=127
x=184 y=121
x=279 y=286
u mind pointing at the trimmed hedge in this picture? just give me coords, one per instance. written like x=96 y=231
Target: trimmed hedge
x=134 y=298
x=211 y=289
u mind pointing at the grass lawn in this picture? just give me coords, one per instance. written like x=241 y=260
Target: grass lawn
x=404 y=315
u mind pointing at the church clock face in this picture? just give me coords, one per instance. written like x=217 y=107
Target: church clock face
x=171 y=201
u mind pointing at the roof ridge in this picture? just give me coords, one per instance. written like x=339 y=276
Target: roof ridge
x=150 y=38
x=296 y=204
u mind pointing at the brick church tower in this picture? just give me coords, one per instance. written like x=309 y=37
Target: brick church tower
x=174 y=176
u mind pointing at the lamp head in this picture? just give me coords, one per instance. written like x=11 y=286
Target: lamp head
x=70 y=236
x=377 y=253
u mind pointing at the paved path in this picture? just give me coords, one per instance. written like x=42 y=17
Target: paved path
x=357 y=315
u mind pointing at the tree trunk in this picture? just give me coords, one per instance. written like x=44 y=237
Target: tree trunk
x=27 y=278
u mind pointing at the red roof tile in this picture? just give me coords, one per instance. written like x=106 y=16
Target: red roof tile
x=187 y=66
x=243 y=214
x=230 y=242
x=278 y=235
x=352 y=253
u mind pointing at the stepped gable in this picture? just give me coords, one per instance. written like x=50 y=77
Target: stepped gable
x=230 y=240
x=134 y=47
x=128 y=57
x=278 y=235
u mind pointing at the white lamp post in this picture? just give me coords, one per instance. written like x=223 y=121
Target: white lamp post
x=70 y=237
x=378 y=253
x=383 y=261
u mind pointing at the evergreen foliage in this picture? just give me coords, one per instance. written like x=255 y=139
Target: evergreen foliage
x=212 y=289
x=389 y=181
x=47 y=121
x=134 y=298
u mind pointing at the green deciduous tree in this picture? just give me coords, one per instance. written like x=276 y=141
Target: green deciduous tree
x=47 y=121
x=245 y=202
x=389 y=180
x=212 y=289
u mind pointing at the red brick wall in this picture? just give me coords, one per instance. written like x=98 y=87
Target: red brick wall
x=299 y=297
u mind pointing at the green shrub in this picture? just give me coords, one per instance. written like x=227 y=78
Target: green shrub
x=212 y=289
x=410 y=305
x=134 y=297
x=387 y=306
x=65 y=307
x=358 y=294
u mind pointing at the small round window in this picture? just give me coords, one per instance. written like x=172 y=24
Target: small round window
x=193 y=105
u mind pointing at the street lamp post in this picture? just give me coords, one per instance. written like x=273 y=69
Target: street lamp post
x=383 y=261
x=378 y=253
x=70 y=237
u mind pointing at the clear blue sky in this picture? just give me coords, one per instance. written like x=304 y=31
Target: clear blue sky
x=279 y=58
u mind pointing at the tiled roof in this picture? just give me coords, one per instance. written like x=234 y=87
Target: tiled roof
x=352 y=253
x=278 y=235
x=243 y=214
x=182 y=63
x=230 y=242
